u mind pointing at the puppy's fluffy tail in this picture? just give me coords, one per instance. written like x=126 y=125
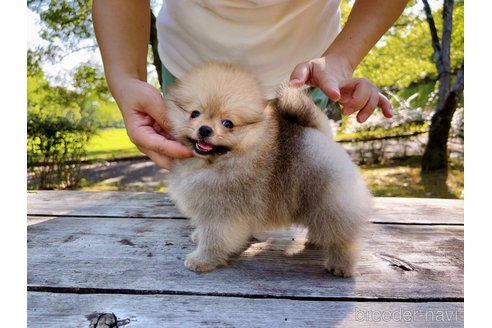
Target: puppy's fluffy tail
x=295 y=106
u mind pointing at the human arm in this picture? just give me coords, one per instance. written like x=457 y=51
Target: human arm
x=122 y=32
x=332 y=73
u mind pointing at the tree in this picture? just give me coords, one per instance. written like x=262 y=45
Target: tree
x=67 y=25
x=403 y=55
x=403 y=60
x=59 y=124
x=435 y=157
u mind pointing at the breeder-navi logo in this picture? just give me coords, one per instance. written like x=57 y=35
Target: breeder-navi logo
x=402 y=315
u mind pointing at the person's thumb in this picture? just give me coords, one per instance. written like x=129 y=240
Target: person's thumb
x=156 y=108
x=153 y=139
x=300 y=75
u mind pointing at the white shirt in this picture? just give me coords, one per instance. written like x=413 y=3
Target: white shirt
x=269 y=37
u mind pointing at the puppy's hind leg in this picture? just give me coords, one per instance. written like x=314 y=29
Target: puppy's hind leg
x=342 y=258
x=341 y=253
x=337 y=231
x=217 y=241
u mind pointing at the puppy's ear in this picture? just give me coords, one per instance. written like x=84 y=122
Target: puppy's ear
x=171 y=91
x=176 y=96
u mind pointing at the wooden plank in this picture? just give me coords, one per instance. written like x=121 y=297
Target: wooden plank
x=418 y=210
x=399 y=262
x=72 y=310
x=103 y=204
x=158 y=205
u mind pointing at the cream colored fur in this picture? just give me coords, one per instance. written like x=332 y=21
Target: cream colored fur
x=282 y=167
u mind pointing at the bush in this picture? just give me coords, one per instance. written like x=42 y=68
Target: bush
x=55 y=148
x=59 y=124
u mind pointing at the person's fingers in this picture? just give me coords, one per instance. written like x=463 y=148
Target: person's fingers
x=385 y=106
x=309 y=73
x=147 y=138
x=300 y=75
x=163 y=161
x=369 y=108
x=356 y=93
x=155 y=107
x=159 y=130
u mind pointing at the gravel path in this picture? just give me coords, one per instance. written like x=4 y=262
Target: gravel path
x=132 y=172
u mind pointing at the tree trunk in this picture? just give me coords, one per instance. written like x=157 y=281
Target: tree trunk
x=435 y=158
x=445 y=67
x=153 y=43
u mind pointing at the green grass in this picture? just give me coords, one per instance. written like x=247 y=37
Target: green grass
x=111 y=143
x=381 y=133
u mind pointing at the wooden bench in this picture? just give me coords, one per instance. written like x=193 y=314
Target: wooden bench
x=117 y=257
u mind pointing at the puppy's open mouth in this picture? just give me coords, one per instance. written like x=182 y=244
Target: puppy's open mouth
x=202 y=147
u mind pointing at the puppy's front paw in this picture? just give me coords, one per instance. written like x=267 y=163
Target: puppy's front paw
x=199 y=262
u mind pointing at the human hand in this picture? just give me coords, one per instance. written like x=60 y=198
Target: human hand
x=144 y=111
x=333 y=75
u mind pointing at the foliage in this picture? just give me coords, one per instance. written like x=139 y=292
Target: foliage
x=404 y=55
x=59 y=124
x=423 y=93
x=411 y=56
x=67 y=26
x=57 y=144
x=89 y=81
x=64 y=24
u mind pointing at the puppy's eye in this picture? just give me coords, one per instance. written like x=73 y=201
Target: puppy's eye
x=195 y=114
x=228 y=124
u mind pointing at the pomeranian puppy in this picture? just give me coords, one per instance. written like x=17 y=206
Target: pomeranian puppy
x=260 y=165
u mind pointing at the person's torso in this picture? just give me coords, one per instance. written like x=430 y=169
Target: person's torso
x=268 y=37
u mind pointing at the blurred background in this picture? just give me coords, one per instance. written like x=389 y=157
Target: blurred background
x=76 y=138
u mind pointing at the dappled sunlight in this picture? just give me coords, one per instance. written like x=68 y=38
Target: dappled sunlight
x=32 y=220
x=287 y=242
x=402 y=179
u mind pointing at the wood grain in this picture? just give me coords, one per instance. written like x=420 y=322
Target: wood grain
x=158 y=205
x=74 y=310
x=147 y=255
x=121 y=254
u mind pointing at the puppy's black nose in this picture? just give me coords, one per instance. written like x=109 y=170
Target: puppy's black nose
x=205 y=131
